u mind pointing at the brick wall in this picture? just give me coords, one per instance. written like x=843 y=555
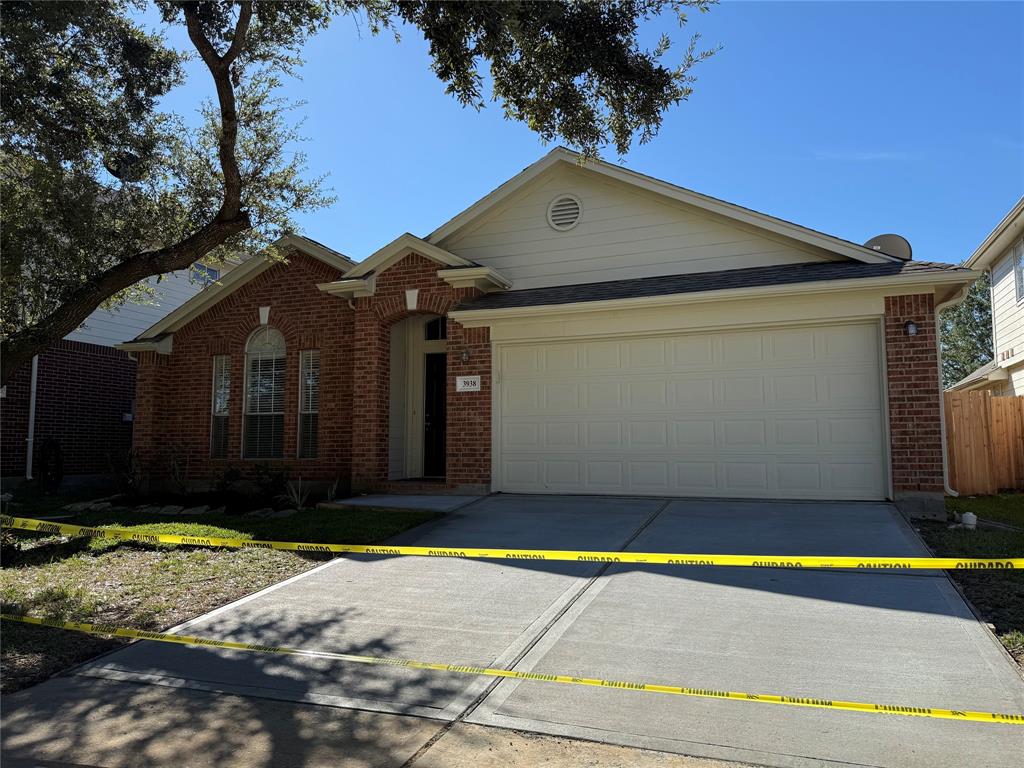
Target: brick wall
x=175 y=391
x=914 y=400
x=83 y=392
x=468 y=437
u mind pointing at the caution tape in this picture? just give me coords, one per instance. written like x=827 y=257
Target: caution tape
x=702 y=693
x=651 y=558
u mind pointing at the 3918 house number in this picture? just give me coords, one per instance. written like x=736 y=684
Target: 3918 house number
x=467 y=383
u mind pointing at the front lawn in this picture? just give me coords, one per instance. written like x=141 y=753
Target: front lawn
x=998 y=595
x=153 y=586
x=1003 y=508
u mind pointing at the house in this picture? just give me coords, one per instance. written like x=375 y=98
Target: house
x=581 y=329
x=1001 y=254
x=71 y=409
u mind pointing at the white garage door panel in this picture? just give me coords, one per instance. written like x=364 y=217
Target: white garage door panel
x=793 y=412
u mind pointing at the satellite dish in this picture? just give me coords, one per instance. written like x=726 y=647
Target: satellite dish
x=891 y=245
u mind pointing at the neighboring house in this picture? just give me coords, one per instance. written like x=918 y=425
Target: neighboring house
x=578 y=330
x=80 y=392
x=1001 y=254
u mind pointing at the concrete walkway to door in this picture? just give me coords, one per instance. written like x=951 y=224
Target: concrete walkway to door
x=899 y=638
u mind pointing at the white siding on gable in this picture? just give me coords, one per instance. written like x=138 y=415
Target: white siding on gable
x=623 y=233
x=1007 y=311
x=110 y=327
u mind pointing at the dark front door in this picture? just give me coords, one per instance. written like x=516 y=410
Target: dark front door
x=434 y=414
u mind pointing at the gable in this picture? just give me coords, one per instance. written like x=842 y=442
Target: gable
x=331 y=263
x=623 y=232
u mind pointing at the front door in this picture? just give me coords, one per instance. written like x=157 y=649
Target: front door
x=434 y=413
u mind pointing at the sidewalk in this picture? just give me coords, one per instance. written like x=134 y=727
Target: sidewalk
x=91 y=722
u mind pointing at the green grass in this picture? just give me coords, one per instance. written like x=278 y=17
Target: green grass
x=153 y=587
x=317 y=526
x=1003 y=508
x=998 y=595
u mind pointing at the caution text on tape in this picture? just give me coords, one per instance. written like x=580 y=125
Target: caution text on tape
x=652 y=558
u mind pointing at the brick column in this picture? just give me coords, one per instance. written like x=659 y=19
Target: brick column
x=150 y=399
x=371 y=364
x=915 y=404
x=469 y=413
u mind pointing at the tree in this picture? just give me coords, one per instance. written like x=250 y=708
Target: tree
x=100 y=189
x=967 y=333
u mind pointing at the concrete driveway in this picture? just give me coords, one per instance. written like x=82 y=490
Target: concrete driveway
x=901 y=638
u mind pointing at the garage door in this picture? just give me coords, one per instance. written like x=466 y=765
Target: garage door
x=775 y=413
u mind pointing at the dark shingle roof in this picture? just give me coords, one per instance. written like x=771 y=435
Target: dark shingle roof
x=695 y=282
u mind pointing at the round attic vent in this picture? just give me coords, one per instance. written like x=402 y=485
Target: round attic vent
x=564 y=212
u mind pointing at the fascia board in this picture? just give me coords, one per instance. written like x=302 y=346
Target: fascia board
x=465 y=277
x=471 y=317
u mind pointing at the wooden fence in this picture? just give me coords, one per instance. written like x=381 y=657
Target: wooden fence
x=985 y=440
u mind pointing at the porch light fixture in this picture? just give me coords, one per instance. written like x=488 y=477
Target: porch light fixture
x=910 y=328
x=464 y=356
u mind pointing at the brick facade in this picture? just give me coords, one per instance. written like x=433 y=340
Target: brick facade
x=172 y=424
x=468 y=442
x=172 y=427
x=912 y=365
x=172 y=430
x=83 y=393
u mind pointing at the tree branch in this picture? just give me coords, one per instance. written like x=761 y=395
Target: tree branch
x=230 y=219
x=220 y=70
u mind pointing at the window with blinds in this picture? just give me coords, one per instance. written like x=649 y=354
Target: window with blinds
x=309 y=402
x=263 y=431
x=219 y=408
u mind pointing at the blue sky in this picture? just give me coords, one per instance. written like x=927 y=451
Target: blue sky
x=851 y=118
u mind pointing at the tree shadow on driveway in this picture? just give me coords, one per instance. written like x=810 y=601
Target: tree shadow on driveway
x=81 y=719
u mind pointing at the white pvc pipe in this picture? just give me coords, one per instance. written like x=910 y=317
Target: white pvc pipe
x=30 y=441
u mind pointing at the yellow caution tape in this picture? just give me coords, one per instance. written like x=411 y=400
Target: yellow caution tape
x=653 y=558
x=703 y=693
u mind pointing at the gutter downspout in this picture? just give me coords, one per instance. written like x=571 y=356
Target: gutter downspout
x=955 y=299
x=30 y=440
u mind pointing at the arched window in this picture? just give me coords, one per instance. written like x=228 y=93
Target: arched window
x=264 y=395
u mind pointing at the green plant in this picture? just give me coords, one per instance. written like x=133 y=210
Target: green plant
x=271 y=481
x=10 y=547
x=126 y=471
x=296 y=494
x=226 y=480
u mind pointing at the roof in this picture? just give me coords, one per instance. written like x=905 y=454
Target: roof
x=696 y=282
x=982 y=375
x=231 y=282
x=398 y=248
x=704 y=202
x=999 y=239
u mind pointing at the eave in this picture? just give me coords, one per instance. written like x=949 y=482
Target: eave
x=485 y=279
x=398 y=249
x=352 y=288
x=899 y=284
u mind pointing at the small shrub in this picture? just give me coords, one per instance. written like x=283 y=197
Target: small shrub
x=296 y=494
x=271 y=481
x=126 y=472
x=10 y=547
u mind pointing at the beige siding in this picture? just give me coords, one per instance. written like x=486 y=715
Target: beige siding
x=1008 y=313
x=1014 y=386
x=622 y=234
x=109 y=327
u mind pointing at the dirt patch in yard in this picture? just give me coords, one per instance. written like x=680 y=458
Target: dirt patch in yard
x=152 y=587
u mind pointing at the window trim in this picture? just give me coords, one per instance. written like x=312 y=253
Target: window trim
x=213 y=403
x=246 y=391
x=304 y=354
